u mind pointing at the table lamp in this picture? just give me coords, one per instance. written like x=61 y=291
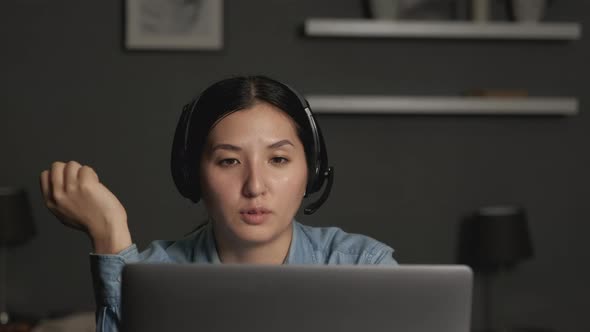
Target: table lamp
x=16 y=228
x=494 y=239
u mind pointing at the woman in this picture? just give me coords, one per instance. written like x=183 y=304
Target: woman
x=250 y=148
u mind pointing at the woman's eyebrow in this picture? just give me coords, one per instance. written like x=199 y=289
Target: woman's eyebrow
x=280 y=143
x=231 y=147
x=226 y=147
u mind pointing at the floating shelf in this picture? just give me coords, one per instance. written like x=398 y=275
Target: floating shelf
x=434 y=105
x=333 y=27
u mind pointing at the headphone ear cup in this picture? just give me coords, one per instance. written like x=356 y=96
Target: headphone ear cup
x=178 y=158
x=323 y=162
x=311 y=179
x=315 y=180
x=320 y=165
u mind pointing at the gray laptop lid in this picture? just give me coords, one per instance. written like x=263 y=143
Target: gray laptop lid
x=310 y=298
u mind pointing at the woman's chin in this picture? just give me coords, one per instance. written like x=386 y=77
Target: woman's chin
x=257 y=234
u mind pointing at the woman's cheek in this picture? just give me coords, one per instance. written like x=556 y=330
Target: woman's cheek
x=228 y=187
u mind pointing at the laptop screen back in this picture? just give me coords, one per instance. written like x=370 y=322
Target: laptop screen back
x=291 y=298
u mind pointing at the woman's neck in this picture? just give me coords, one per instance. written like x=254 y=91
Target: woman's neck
x=273 y=252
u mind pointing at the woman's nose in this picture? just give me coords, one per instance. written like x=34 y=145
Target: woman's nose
x=254 y=184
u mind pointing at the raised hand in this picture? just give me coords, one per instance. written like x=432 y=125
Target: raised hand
x=74 y=194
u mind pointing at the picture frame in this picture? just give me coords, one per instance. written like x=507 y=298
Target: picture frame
x=182 y=25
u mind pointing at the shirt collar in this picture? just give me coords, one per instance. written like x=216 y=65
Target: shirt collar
x=300 y=249
x=210 y=248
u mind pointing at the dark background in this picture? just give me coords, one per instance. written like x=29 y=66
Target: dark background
x=70 y=91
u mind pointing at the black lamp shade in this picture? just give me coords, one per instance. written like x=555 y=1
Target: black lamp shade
x=16 y=220
x=494 y=238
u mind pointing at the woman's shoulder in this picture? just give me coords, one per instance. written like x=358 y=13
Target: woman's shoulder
x=334 y=245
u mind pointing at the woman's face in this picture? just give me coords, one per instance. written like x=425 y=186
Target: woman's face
x=253 y=174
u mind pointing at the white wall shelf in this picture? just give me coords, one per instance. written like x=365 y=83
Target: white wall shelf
x=333 y=27
x=436 y=105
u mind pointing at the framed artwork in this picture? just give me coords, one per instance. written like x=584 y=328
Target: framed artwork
x=174 y=25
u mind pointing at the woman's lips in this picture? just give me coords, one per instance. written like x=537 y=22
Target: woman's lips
x=255 y=216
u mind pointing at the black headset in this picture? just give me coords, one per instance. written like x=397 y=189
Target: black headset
x=187 y=182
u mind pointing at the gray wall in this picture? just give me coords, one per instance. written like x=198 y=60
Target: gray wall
x=71 y=92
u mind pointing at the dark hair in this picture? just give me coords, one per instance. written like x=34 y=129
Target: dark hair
x=238 y=93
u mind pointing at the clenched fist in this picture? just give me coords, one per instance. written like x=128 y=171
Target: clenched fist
x=74 y=194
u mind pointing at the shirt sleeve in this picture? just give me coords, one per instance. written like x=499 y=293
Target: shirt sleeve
x=106 y=276
x=385 y=257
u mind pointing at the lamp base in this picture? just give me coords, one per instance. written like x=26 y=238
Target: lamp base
x=4 y=318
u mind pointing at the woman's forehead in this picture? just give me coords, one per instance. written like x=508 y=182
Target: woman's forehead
x=262 y=122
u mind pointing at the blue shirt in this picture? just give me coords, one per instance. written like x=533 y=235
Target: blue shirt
x=309 y=245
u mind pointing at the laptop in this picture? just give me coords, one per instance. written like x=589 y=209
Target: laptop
x=296 y=298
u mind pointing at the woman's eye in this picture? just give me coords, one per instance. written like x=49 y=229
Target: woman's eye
x=228 y=162
x=279 y=160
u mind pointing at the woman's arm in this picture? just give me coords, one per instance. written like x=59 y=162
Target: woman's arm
x=74 y=194
x=106 y=276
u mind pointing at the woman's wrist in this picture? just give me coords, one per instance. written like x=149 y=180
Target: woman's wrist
x=111 y=239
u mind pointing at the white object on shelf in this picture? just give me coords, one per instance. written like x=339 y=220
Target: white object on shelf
x=480 y=10
x=334 y=27
x=443 y=105
x=383 y=9
x=528 y=10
